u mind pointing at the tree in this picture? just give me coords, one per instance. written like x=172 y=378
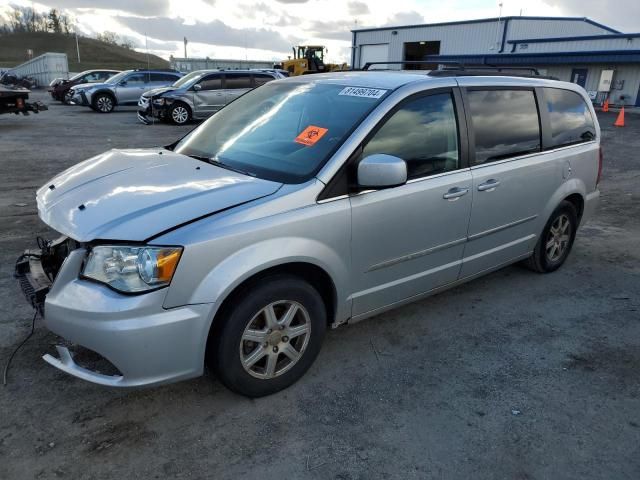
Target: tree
x=54 y=24
x=108 y=37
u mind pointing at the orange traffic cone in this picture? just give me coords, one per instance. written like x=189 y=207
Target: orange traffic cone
x=620 y=119
x=605 y=108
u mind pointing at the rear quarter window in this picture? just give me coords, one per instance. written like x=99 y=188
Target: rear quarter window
x=569 y=116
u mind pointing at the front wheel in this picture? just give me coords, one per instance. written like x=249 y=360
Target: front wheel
x=179 y=113
x=103 y=103
x=271 y=336
x=557 y=238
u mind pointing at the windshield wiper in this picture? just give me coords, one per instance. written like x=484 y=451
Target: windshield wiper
x=215 y=161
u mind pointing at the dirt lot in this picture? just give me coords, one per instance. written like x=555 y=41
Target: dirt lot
x=515 y=375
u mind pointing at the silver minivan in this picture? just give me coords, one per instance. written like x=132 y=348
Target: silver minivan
x=200 y=94
x=307 y=203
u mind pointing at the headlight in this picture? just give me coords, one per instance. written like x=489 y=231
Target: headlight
x=130 y=268
x=159 y=101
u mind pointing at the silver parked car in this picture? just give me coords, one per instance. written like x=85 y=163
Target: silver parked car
x=307 y=203
x=124 y=88
x=200 y=94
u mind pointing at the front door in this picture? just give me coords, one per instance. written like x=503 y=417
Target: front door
x=512 y=180
x=409 y=239
x=579 y=76
x=129 y=91
x=208 y=97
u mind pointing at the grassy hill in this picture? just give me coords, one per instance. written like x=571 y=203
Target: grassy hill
x=93 y=53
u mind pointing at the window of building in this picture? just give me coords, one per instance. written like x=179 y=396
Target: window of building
x=424 y=133
x=505 y=123
x=570 y=117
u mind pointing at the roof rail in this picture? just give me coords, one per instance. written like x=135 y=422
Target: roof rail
x=156 y=70
x=459 y=69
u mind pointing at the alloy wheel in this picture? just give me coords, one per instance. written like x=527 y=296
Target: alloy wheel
x=558 y=238
x=105 y=104
x=180 y=115
x=275 y=339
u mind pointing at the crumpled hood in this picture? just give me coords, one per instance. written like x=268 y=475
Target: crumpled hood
x=136 y=194
x=158 y=91
x=82 y=86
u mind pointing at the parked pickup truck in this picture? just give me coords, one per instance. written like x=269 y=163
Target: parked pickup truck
x=14 y=100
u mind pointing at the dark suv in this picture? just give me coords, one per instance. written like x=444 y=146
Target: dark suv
x=60 y=88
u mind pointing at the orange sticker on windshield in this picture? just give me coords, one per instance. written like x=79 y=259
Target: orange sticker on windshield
x=311 y=135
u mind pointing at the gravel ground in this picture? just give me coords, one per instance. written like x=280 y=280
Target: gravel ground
x=515 y=375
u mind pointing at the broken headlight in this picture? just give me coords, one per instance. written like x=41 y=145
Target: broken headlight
x=132 y=269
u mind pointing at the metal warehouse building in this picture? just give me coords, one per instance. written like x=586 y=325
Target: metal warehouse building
x=603 y=60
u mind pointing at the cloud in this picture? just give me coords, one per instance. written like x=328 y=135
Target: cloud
x=338 y=30
x=292 y=1
x=358 y=8
x=140 y=7
x=619 y=14
x=215 y=33
x=406 y=18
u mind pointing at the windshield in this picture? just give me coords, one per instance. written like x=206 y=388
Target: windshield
x=186 y=79
x=283 y=132
x=79 y=75
x=117 y=77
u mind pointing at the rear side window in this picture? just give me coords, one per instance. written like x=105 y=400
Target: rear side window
x=261 y=79
x=505 y=123
x=570 y=118
x=238 y=80
x=424 y=133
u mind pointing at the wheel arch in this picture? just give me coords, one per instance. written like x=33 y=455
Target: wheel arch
x=315 y=275
x=105 y=91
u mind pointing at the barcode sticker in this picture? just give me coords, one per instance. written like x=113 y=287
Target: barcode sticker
x=362 y=92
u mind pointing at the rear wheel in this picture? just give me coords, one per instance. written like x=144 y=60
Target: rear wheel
x=103 y=103
x=557 y=238
x=271 y=336
x=179 y=113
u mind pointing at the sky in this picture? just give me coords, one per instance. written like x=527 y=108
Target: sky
x=267 y=29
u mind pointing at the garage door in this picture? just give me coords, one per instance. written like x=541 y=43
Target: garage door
x=374 y=53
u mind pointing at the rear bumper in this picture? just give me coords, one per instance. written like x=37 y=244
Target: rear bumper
x=147 y=344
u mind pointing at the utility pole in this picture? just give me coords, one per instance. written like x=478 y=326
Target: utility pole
x=185 y=47
x=77 y=44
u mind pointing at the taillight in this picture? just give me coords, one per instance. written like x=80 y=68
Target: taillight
x=600 y=155
x=19 y=102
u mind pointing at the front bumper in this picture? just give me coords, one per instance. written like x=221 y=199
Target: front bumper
x=147 y=344
x=147 y=114
x=80 y=99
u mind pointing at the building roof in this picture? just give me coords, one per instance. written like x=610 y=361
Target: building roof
x=485 y=20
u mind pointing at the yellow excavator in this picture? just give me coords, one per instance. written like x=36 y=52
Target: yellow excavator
x=309 y=59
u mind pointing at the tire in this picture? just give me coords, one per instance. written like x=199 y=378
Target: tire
x=259 y=361
x=103 y=103
x=179 y=113
x=554 y=245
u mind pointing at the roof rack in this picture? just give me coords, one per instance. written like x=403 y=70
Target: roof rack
x=155 y=70
x=458 y=69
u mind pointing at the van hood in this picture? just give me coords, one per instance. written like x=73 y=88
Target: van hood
x=136 y=194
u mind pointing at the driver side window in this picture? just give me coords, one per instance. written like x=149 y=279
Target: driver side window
x=424 y=133
x=212 y=82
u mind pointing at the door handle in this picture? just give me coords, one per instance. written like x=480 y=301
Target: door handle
x=488 y=186
x=455 y=193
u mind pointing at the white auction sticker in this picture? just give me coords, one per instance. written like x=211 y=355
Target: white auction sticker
x=362 y=92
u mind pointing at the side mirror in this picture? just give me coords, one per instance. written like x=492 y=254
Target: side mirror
x=197 y=87
x=382 y=171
